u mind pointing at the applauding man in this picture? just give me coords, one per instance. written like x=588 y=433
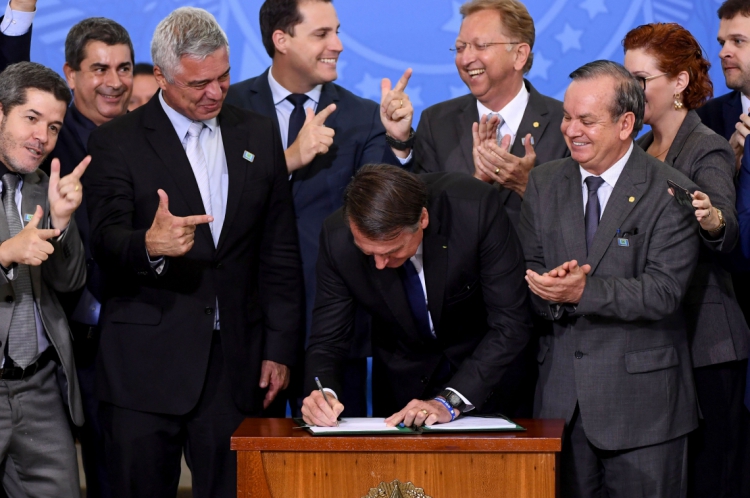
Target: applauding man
x=44 y=256
x=328 y=132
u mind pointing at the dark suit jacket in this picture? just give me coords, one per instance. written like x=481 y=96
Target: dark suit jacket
x=14 y=48
x=717 y=330
x=473 y=268
x=156 y=328
x=623 y=354
x=444 y=141
x=722 y=113
x=318 y=188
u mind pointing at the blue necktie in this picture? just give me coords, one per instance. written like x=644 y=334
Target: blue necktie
x=593 y=209
x=297 y=118
x=415 y=295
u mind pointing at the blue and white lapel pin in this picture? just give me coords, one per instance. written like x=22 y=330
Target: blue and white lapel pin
x=248 y=156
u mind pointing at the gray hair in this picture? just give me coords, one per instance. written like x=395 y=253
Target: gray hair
x=186 y=32
x=629 y=96
x=19 y=77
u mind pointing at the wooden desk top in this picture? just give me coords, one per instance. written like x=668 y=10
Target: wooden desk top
x=276 y=434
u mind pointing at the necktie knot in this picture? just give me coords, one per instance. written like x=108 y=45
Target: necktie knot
x=10 y=182
x=593 y=183
x=298 y=99
x=195 y=128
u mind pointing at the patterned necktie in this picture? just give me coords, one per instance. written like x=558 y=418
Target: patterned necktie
x=297 y=119
x=415 y=295
x=498 y=132
x=593 y=209
x=22 y=343
x=200 y=167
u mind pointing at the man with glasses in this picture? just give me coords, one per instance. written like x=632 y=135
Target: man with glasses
x=493 y=52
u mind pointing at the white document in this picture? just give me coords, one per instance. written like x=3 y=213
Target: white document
x=474 y=424
x=359 y=425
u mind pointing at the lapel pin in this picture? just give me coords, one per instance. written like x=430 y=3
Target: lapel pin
x=248 y=156
x=445 y=247
x=631 y=199
x=536 y=124
x=27 y=217
x=623 y=242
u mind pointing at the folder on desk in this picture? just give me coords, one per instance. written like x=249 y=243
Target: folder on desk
x=376 y=426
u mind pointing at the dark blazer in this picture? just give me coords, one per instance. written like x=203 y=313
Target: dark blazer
x=474 y=272
x=444 y=141
x=14 y=48
x=722 y=113
x=64 y=271
x=622 y=354
x=318 y=188
x=156 y=328
x=717 y=330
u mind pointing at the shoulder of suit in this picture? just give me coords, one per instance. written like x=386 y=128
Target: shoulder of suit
x=348 y=101
x=714 y=106
x=455 y=184
x=448 y=107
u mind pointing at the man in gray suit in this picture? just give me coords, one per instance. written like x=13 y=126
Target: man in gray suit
x=493 y=52
x=616 y=366
x=45 y=255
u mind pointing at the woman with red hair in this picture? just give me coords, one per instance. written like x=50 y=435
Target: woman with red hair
x=673 y=72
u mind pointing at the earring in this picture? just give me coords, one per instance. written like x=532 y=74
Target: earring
x=678 y=102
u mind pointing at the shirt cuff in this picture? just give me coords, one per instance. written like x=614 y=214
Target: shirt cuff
x=156 y=264
x=404 y=160
x=331 y=392
x=469 y=406
x=16 y=22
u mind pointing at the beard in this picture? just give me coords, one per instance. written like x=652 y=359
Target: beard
x=739 y=82
x=9 y=144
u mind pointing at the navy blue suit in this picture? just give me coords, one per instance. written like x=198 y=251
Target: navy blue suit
x=14 y=48
x=743 y=216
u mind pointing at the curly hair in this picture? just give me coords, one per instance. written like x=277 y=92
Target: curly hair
x=675 y=50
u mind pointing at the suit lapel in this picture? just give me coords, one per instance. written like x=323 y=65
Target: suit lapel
x=435 y=259
x=261 y=98
x=629 y=186
x=689 y=124
x=465 y=120
x=534 y=121
x=167 y=145
x=570 y=202
x=392 y=290
x=732 y=111
x=234 y=136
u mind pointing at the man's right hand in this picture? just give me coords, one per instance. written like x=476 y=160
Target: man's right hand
x=30 y=245
x=737 y=140
x=315 y=410
x=313 y=139
x=171 y=235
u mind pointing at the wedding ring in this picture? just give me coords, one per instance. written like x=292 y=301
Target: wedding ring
x=402 y=103
x=78 y=187
x=497 y=171
x=425 y=412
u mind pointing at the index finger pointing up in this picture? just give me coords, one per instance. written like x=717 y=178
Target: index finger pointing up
x=403 y=81
x=81 y=168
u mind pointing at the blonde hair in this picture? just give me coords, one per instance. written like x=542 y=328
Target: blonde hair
x=516 y=20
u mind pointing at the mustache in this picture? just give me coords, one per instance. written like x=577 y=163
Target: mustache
x=38 y=146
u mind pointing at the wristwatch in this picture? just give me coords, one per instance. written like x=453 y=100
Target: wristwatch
x=722 y=223
x=453 y=399
x=398 y=144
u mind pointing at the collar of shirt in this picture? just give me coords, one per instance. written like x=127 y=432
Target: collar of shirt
x=610 y=178
x=182 y=123
x=280 y=93
x=417 y=259
x=745 y=104
x=513 y=111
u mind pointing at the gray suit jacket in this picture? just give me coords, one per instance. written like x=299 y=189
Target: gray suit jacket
x=621 y=354
x=444 y=141
x=717 y=330
x=64 y=271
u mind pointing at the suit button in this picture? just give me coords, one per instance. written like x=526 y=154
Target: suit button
x=209 y=311
x=424 y=380
x=8 y=299
x=219 y=266
x=579 y=355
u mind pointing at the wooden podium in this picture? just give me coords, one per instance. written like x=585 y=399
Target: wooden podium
x=275 y=460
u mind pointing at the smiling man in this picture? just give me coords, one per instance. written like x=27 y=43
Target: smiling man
x=193 y=226
x=610 y=255
x=327 y=131
x=435 y=262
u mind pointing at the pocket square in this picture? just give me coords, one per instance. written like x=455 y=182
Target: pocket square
x=248 y=156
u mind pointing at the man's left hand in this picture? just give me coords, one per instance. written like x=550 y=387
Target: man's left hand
x=275 y=377
x=66 y=193
x=396 y=110
x=503 y=167
x=419 y=412
x=564 y=284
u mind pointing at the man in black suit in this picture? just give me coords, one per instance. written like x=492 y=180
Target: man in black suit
x=436 y=263
x=15 y=32
x=193 y=226
x=493 y=52
x=99 y=70
x=348 y=132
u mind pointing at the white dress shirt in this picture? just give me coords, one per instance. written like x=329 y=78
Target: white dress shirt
x=610 y=178
x=745 y=105
x=512 y=113
x=16 y=22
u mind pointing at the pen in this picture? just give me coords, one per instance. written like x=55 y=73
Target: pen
x=320 y=388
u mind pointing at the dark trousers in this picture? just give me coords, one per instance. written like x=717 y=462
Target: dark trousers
x=719 y=451
x=657 y=471
x=144 y=449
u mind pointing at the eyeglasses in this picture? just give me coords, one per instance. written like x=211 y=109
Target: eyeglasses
x=643 y=79
x=478 y=47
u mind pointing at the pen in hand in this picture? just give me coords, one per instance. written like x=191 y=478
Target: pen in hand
x=320 y=388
